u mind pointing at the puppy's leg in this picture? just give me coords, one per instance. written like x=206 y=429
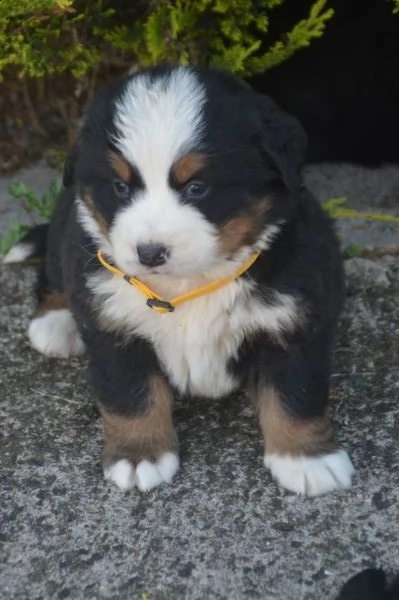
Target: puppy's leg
x=53 y=331
x=135 y=403
x=301 y=453
x=141 y=449
x=300 y=450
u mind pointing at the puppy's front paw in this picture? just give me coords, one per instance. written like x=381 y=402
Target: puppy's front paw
x=311 y=476
x=146 y=475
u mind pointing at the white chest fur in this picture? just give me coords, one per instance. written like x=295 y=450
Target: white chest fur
x=195 y=342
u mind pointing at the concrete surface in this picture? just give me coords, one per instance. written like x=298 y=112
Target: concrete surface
x=222 y=530
x=368 y=191
x=38 y=178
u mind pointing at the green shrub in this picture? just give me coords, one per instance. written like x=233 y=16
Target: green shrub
x=222 y=33
x=42 y=206
x=42 y=37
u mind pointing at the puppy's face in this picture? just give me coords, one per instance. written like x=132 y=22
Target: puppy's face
x=180 y=171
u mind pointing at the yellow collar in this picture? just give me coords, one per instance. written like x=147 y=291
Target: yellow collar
x=161 y=305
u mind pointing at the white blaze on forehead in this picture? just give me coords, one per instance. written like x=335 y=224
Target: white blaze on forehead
x=157 y=119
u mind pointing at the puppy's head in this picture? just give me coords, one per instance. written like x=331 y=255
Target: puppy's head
x=180 y=170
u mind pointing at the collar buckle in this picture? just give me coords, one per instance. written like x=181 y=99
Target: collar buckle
x=163 y=304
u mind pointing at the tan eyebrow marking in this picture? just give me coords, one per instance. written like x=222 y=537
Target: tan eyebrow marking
x=187 y=166
x=120 y=166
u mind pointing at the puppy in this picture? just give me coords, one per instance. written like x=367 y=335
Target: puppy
x=217 y=272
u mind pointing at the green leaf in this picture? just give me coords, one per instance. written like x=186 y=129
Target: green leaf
x=353 y=250
x=332 y=203
x=334 y=207
x=15 y=232
x=43 y=206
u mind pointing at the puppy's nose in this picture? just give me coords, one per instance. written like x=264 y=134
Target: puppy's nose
x=152 y=255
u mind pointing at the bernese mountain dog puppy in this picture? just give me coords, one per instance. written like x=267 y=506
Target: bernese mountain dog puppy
x=186 y=257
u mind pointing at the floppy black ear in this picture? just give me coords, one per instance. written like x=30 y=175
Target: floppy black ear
x=283 y=138
x=68 y=177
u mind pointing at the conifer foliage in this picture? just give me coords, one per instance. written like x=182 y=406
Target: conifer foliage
x=39 y=38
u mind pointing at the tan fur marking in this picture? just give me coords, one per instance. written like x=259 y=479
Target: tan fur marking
x=95 y=213
x=236 y=233
x=121 y=167
x=146 y=436
x=287 y=436
x=242 y=230
x=52 y=301
x=187 y=166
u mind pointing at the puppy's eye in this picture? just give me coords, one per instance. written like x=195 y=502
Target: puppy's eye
x=196 y=190
x=121 y=188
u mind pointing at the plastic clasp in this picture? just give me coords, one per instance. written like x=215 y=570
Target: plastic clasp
x=154 y=304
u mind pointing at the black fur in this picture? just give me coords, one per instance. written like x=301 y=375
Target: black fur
x=36 y=239
x=370 y=584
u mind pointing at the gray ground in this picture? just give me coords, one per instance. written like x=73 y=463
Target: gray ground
x=223 y=529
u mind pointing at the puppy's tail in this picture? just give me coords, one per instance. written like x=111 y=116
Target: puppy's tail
x=32 y=245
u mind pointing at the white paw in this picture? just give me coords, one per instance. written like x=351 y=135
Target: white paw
x=311 y=476
x=122 y=474
x=19 y=253
x=146 y=475
x=55 y=334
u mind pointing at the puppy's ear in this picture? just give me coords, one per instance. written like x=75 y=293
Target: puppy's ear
x=68 y=177
x=283 y=138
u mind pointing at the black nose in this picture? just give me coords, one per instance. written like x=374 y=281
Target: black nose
x=152 y=255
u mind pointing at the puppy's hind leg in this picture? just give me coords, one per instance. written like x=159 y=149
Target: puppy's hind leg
x=53 y=331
